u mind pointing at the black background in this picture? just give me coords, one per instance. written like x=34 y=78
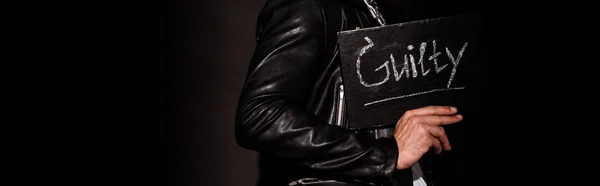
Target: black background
x=210 y=43
x=209 y=46
x=142 y=92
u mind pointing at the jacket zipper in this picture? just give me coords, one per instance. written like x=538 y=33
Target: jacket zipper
x=312 y=181
x=340 y=107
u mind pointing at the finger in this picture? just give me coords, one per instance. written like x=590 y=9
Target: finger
x=432 y=110
x=440 y=134
x=437 y=145
x=437 y=120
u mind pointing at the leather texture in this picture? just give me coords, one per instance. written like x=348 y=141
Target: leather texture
x=291 y=108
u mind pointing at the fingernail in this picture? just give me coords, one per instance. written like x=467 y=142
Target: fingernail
x=459 y=116
x=453 y=109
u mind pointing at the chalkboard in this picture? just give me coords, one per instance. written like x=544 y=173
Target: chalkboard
x=390 y=69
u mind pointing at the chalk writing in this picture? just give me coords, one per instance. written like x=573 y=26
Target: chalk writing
x=387 y=70
x=410 y=67
x=455 y=62
x=362 y=52
x=413 y=94
x=422 y=51
x=434 y=57
x=409 y=62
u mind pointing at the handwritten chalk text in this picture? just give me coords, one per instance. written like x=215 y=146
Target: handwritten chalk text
x=409 y=65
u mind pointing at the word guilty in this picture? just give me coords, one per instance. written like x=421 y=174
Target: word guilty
x=409 y=66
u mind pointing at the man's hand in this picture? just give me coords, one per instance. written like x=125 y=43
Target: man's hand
x=419 y=129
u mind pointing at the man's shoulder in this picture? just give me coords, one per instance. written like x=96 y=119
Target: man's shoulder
x=272 y=5
x=293 y=13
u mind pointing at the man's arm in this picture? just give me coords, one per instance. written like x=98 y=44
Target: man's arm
x=272 y=116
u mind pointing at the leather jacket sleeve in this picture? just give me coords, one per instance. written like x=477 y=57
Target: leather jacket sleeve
x=272 y=116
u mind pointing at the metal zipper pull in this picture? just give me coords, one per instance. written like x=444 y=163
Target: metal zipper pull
x=340 y=109
x=374 y=9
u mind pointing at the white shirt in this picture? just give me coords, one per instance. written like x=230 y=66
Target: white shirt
x=417 y=174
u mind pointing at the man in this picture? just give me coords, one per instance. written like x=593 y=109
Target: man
x=291 y=109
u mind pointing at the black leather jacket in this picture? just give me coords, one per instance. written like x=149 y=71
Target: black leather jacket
x=291 y=108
